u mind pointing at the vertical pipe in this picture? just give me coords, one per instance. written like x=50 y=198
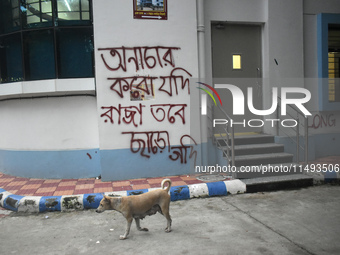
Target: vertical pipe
x=298 y=141
x=233 y=151
x=306 y=140
x=278 y=117
x=201 y=71
x=201 y=38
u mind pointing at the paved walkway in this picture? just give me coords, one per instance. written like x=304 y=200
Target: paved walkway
x=59 y=187
x=19 y=187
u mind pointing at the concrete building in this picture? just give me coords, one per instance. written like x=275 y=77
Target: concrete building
x=108 y=88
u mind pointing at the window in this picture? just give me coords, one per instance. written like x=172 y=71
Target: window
x=9 y=16
x=333 y=62
x=11 y=58
x=74 y=47
x=328 y=45
x=237 y=62
x=37 y=13
x=73 y=12
x=39 y=55
x=45 y=39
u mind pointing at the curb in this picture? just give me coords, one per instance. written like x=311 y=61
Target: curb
x=276 y=183
x=35 y=204
x=327 y=177
x=293 y=181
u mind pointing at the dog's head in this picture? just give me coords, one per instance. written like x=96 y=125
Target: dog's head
x=105 y=204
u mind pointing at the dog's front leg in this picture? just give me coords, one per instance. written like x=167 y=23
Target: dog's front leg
x=127 y=231
x=138 y=225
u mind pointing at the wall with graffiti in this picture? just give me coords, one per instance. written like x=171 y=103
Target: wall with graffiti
x=324 y=122
x=139 y=116
x=143 y=74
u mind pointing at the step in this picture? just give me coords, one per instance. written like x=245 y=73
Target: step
x=278 y=183
x=248 y=139
x=251 y=149
x=258 y=159
x=267 y=170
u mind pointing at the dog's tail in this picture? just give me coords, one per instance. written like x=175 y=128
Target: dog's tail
x=168 y=187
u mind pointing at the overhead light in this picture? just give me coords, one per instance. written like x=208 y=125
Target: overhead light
x=67 y=5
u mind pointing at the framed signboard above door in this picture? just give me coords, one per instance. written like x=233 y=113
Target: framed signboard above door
x=150 y=9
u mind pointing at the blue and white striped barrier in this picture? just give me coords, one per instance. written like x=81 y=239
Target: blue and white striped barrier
x=328 y=176
x=33 y=204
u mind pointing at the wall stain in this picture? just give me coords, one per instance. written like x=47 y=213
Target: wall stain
x=11 y=202
x=178 y=190
x=91 y=198
x=51 y=202
x=114 y=195
x=29 y=202
x=71 y=203
x=136 y=192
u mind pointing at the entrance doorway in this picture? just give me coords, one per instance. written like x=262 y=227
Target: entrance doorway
x=237 y=60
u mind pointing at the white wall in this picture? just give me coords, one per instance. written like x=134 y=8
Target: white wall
x=325 y=6
x=65 y=123
x=235 y=10
x=114 y=26
x=283 y=41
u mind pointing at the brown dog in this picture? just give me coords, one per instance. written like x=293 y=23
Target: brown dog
x=138 y=206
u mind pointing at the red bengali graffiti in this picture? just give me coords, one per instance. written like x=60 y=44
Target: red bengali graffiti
x=140 y=84
x=127 y=114
x=169 y=111
x=175 y=82
x=167 y=84
x=183 y=151
x=117 y=58
x=150 y=142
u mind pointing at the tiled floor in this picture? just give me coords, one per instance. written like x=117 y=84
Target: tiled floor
x=41 y=187
x=331 y=160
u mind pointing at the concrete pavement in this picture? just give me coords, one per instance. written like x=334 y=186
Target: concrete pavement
x=303 y=221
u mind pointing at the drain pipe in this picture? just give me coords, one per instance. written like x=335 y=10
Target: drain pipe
x=201 y=73
x=201 y=39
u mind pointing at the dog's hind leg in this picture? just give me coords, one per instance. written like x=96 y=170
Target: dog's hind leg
x=127 y=231
x=169 y=221
x=138 y=225
x=165 y=212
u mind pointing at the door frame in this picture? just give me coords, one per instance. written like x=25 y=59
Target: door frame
x=259 y=74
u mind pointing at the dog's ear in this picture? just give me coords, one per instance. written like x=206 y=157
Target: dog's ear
x=107 y=198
